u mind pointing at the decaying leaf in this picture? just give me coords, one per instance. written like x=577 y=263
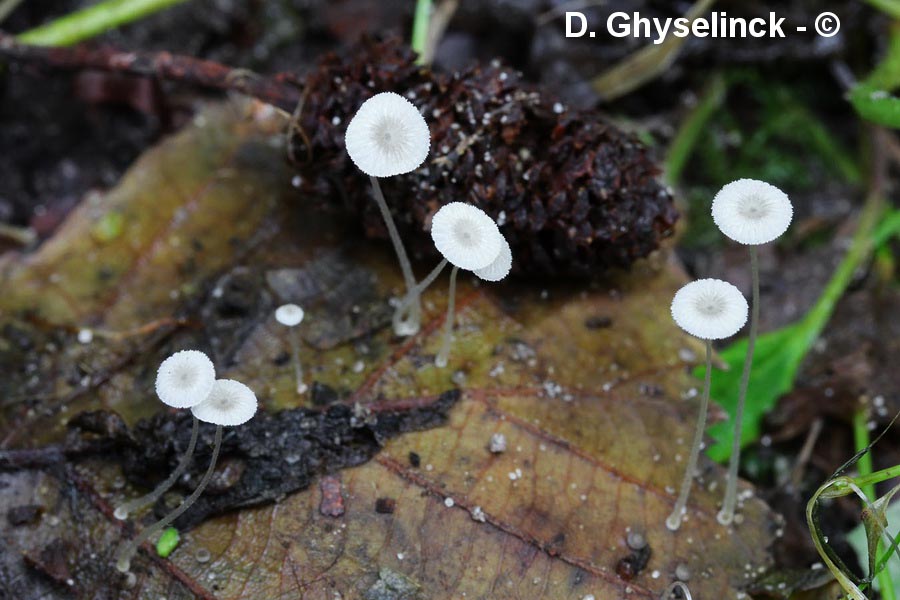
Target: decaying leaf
x=584 y=385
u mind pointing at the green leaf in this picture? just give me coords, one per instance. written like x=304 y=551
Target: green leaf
x=860 y=543
x=778 y=356
x=872 y=97
x=168 y=541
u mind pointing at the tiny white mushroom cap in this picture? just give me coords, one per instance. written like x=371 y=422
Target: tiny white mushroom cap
x=500 y=267
x=710 y=309
x=185 y=379
x=387 y=136
x=229 y=403
x=289 y=315
x=466 y=236
x=752 y=212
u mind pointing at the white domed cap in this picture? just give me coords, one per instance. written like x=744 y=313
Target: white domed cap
x=710 y=309
x=501 y=266
x=185 y=379
x=466 y=236
x=387 y=136
x=752 y=212
x=229 y=403
x=289 y=315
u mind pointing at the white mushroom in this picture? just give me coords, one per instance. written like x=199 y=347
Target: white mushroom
x=386 y=137
x=750 y=212
x=709 y=309
x=466 y=236
x=185 y=379
x=499 y=268
x=229 y=403
x=468 y=239
x=291 y=315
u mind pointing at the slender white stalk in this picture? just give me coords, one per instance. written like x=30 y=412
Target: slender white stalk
x=444 y=353
x=676 y=585
x=726 y=515
x=401 y=312
x=412 y=324
x=673 y=522
x=127 y=550
x=298 y=369
x=129 y=507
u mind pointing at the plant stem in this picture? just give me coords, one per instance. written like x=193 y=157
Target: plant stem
x=123 y=558
x=888 y=7
x=877 y=476
x=673 y=522
x=444 y=353
x=689 y=132
x=816 y=319
x=7 y=6
x=726 y=515
x=91 y=21
x=864 y=465
x=129 y=507
x=298 y=369
x=861 y=440
x=421 y=26
x=411 y=326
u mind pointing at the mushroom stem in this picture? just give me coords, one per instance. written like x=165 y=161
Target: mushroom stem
x=125 y=509
x=676 y=585
x=444 y=353
x=673 y=522
x=411 y=325
x=401 y=310
x=127 y=550
x=726 y=515
x=295 y=352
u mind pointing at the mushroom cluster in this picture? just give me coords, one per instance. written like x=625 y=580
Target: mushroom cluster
x=386 y=137
x=468 y=239
x=749 y=212
x=708 y=309
x=752 y=213
x=187 y=379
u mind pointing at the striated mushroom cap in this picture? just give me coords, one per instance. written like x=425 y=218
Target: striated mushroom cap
x=710 y=309
x=185 y=379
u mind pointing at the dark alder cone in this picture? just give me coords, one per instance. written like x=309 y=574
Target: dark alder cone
x=573 y=194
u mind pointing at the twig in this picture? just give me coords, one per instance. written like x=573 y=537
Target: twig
x=805 y=453
x=440 y=20
x=282 y=89
x=7 y=6
x=645 y=64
